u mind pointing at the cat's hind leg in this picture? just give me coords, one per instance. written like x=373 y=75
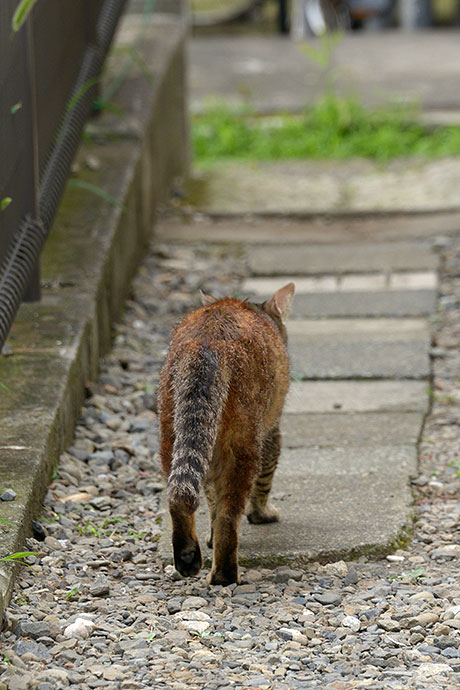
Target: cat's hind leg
x=259 y=511
x=211 y=499
x=186 y=549
x=187 y=553
x=232 y=491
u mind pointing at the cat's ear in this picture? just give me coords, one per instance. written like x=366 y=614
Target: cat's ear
x=280 y=303
x=206 y=299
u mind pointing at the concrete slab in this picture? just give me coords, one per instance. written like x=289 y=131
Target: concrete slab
x=357 y=396
x=351 y=348
x=257 y=230
x=332 y=187
x=272 y=73
x=350 y=429
x=378 y=330
x=359 y=360
x=334 y=503
x=354 y=282
x=389 y=303
x=349 y=258
x=327 y=296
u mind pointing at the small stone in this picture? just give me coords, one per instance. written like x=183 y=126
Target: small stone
x=351 y=622
x=92 y=163
x=36 y=629
x=81 y=627
x=252 y=576
x=100 y=588
x=122 y=555
x=113 y=672
x=20 y=682
x=448 y=551
x=101 y=502
x=338 y=568
x=429 y=670
x=423 y=596
x=292 y=634
x=427 y=618
x=28 y=647
x=286 y=574
x=8 y=495
x=328 y=598
x=53 y=543
x=351 y=578
x=394 y=558
x=39 y=531
x=416 y=638
x=388 y=624
x=194 y=603
x=451 y=653
x=172 y=573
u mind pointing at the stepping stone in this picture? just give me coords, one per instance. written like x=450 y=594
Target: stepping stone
x=310 y=260
x=389 y=303
x=348 y=348
x=357 y=396
x=334 y=504
x=303 y=188
x=354 y=295
x=326 y=430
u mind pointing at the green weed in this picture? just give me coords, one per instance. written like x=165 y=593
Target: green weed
x=335 y=128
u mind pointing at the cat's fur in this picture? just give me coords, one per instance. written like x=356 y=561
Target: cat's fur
x=222 y=389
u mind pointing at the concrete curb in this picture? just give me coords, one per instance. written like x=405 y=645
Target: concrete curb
x=92 y=252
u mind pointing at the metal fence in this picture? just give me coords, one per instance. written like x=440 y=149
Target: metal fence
x=48 y=75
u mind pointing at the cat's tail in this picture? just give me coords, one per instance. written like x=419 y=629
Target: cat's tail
x=200 y=390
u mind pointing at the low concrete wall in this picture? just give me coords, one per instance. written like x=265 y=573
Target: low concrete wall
x=92 y=252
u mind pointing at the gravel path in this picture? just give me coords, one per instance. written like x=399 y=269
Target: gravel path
x=98 y=609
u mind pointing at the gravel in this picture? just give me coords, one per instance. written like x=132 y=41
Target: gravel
x=99 y=609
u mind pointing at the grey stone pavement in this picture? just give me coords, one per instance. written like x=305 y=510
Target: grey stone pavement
x=359 y=332
x=273 y=73
x=359 y=341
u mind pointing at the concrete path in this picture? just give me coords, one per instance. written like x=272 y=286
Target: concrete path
x=359 y=341
x=273 y=73
x=366 y=284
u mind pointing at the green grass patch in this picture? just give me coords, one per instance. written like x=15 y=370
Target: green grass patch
x=333 y=128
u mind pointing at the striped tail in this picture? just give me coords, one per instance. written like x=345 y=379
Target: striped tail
x=200 y=390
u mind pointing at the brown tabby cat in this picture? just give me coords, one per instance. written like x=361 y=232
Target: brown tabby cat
x=222 y=389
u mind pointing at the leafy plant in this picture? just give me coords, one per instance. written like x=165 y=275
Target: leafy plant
x=5 y=202
x=72 y=592
x=89 y=528
x=14 y=108
x=334 y=128
x=98 y=191
x=18 y=558
x=5 y=522
x=23 y=10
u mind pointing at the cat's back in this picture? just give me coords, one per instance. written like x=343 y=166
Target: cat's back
x=229 y=325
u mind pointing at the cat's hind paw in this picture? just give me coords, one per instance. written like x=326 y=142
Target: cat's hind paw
x=224 y=576
x=188 y=561
x=257 y=516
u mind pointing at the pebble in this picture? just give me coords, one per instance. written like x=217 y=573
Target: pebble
x=8 y=495
x=100 y=588
x=105 y=611
x=328 y=598
x=352 y=622
x=81 y=627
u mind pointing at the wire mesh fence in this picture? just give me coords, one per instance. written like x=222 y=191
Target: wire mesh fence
x=49 y=71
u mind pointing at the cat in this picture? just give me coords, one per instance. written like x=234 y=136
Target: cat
x=221 y=392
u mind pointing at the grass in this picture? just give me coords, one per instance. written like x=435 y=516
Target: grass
x=334 y=128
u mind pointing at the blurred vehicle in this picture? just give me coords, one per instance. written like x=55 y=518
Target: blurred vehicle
x=319 y=16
